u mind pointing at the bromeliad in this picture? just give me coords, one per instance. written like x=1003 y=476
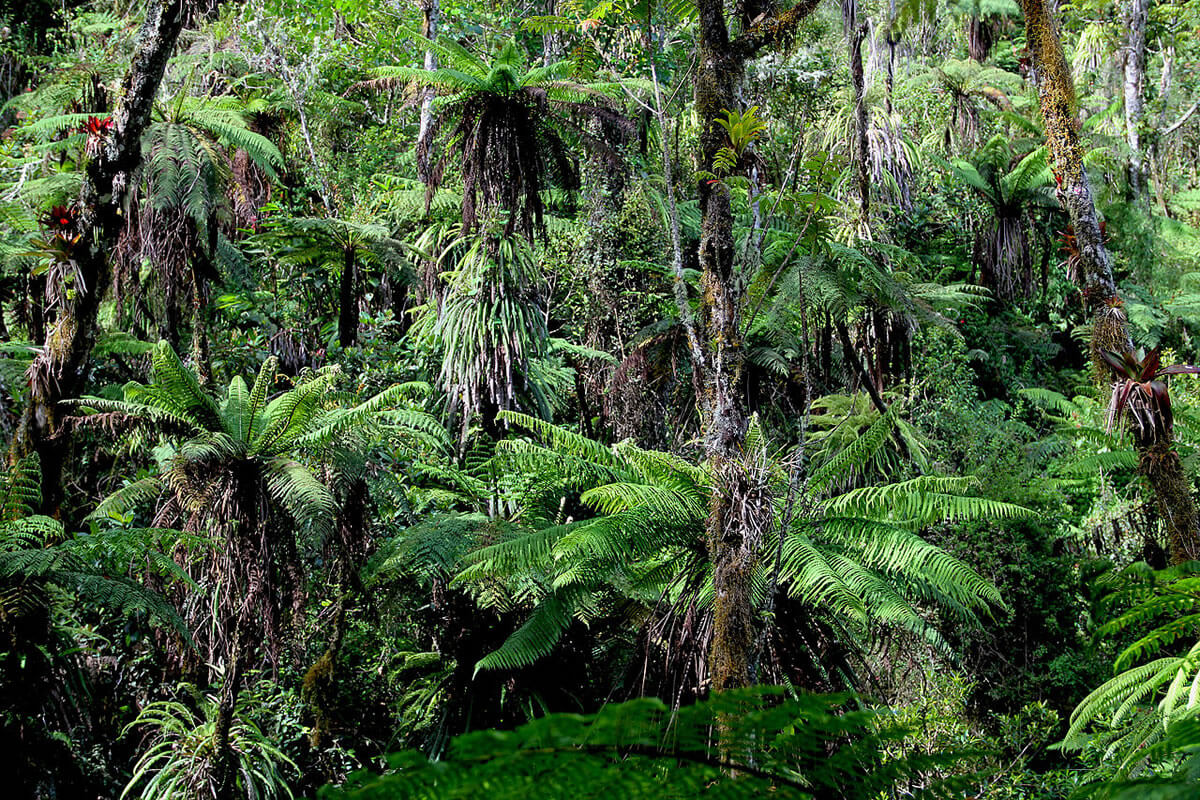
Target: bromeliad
x=97 y=130
x=1140 y=395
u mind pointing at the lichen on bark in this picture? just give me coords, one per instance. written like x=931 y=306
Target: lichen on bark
x=1092 y=269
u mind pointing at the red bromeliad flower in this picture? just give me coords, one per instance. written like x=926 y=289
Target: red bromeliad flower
x=97 y=126
x=59 y=218
x=1138 y=394
x=97 y=130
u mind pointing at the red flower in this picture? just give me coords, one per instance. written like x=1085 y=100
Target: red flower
x=97 y=126
x=59 y=218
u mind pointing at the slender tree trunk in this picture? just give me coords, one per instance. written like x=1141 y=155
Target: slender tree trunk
x=59 y=371
x=225 y=773
x=430 y=17
x=348 y=302
x=1093 y=273
x=1165 y=83
x=737 y=515
x=892 y=40
x=1137 y=13
x=679 y=283
x=552 y=46
x=862 y=152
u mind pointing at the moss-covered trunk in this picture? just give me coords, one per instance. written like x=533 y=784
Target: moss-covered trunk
x=59 y=371
x=1092 y=269
x=724 y=419
x=736 y=516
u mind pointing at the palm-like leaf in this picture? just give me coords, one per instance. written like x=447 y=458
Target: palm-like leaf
x=856 y=557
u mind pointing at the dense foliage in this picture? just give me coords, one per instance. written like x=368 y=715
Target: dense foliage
x=600 y=399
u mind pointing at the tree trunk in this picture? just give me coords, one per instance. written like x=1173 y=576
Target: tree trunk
x=430 y=17
x=737 y=515
x=59 y=370
x=718 y=76
x=224 y=770
x=235 y=607
x=862 y=152
x=1093 y=270
x=979 y=38
x=1135 y=72
x=348 y=302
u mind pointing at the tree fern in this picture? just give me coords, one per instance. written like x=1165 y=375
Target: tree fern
x=242 y=448
x=856 y=555
x=1122 y=713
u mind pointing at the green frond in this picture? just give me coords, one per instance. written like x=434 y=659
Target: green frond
x=665 y=503
x=433 y=548
x=1048 y=399
x=227 y=124
x=1095 y=463
x=252 y=418
x=288 y=417
x=120 y=503
x=622 y=539
x=560 y=440
x=178 y=388
x=537 y=636
x=789 y=746
x=307 y=501
x=21 y=488
x=856 y=454
x=922 y=500
x=517 y=551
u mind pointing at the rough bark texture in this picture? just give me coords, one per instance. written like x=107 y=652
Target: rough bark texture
x=430 y=17
x=738 y=514
x=236 y=608
x=59 y=370
x=1137 y=13
x=1092 y=270
x=861 y=120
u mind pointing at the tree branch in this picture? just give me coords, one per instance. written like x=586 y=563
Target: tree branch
x=771 y=31
x=1179 y=123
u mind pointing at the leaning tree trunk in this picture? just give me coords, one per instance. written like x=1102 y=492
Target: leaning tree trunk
x=59 y=370
x=1135 y=72
x=738 y=511
x=1093 y=271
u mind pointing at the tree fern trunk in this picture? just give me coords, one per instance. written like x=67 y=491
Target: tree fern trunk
x=224 y=771
x=1093 y=270
x=59 y=371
